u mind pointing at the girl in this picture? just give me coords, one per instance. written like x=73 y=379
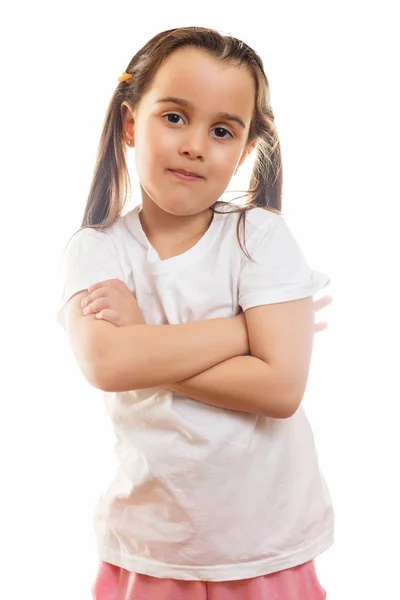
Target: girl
x=196 y=317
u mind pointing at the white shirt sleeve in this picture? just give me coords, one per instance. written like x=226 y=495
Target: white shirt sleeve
x=280 y=272
x=91 y=256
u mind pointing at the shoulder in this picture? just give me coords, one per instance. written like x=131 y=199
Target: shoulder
x=257 y=218
x=108 y=238
x=261 y=221
x=87 y=233
x=90 y=242
x=253 y=227
x=262 y=218
x=91 y=250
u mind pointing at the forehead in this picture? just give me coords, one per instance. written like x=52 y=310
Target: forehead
x=208 y=83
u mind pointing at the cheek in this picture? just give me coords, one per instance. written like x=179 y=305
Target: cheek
x=148 y=151
x=224 y=161
x=158 y=145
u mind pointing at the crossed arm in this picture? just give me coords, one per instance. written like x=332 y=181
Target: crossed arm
x=257 y=362
x=272 y=379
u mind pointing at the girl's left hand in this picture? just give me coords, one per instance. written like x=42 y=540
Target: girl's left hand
x=319 y=305
x=113 y=301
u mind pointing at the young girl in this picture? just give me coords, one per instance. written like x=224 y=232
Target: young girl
x=196 y=317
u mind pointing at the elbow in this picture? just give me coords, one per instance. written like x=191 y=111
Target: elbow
x=292 y=400
x=97 y=348
x=293 y=388
x=91 y=367
x=280 y=408
x=292 y=396
x=94 y=374
x=108 y=378
x=290 y=407
x=286 y=400
x=96 y=368
x=102 y=377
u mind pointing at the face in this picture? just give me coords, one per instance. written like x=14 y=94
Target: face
x=190 y=131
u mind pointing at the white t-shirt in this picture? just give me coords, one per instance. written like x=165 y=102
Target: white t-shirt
x=205 y=493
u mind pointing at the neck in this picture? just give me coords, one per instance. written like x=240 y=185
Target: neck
x=159 y=225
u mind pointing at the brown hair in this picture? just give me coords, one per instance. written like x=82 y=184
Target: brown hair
x=111 y=183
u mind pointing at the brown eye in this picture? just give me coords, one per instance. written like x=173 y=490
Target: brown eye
x=221 y=132
x=172 y=118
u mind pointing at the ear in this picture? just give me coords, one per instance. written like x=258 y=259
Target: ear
x=128 y=122
x=249 y=148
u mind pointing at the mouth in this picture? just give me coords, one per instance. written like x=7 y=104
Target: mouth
x=185 y=175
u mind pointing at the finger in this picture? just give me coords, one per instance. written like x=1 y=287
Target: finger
x=97 y=286
x=111 y=316
x=101 y=292
x=105 y=283
x=322 y=302
x=320 y=327
x=96 y=306
x=328 y=282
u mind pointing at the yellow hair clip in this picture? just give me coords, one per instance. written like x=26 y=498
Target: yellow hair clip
x=125 y=77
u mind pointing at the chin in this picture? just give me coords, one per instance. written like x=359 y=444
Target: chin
x=182 y=209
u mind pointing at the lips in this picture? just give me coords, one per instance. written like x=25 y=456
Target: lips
x=186 y=173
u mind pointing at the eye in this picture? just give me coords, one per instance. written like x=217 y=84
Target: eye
x=220 y=132
x=172 y=118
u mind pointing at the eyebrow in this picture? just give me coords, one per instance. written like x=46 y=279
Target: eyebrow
x=186 y=103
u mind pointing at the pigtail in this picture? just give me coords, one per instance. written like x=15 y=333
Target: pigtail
x=266 y=179
x=111 y=184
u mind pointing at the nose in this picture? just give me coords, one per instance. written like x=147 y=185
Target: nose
x=194 y=144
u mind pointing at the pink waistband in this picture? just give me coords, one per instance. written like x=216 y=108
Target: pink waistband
x=297 y=583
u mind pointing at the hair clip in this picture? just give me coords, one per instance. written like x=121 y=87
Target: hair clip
x=125 y=77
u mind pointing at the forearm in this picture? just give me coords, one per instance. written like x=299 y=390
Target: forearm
x=243 y=383
x=141 y=356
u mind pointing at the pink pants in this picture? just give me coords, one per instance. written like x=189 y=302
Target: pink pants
x=297 y=583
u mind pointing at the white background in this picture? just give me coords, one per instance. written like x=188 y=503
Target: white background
x=334 y=81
